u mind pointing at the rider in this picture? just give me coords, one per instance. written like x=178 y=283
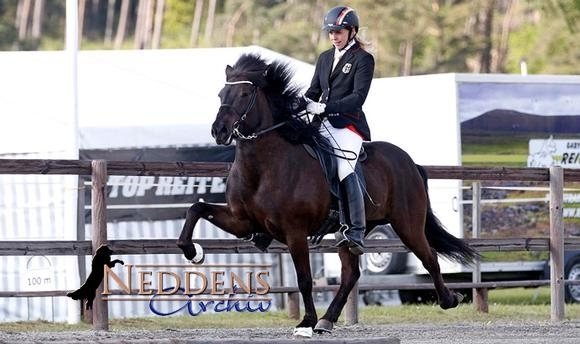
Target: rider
x=339 y=87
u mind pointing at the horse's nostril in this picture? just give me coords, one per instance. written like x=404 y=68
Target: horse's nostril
x=219 y=130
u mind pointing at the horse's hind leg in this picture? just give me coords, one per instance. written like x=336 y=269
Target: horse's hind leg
x=219 y=215
x=428 y=256
x=447 y=299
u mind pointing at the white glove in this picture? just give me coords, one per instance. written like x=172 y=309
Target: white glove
x=315 y=108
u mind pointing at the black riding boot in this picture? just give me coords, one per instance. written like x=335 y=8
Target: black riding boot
x=353 y=205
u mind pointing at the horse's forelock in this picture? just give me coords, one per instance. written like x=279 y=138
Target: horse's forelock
x=276 y=77
x=250 y=63
x=276 y=81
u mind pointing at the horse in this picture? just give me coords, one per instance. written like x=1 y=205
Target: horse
x=275 y=187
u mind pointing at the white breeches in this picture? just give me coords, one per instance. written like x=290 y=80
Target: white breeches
x=346 y=143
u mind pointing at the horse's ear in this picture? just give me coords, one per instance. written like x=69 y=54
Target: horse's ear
x=270 y=71
x=229 y=70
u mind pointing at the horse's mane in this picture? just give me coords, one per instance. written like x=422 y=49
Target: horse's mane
x=284 y=96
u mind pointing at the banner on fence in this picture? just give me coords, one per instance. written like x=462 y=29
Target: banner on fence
x=551 y=152
x=150 y=198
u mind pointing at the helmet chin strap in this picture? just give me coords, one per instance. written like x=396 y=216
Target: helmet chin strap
x=350 y=39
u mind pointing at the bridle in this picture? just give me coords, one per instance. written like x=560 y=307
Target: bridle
x=236 y=127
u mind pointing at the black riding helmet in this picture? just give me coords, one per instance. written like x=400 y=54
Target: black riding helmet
x=341 y=17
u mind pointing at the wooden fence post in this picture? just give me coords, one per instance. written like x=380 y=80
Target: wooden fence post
x=557 y=243
x=351 y=307
x=479 y=294
x=293 y=305
x=99 y=235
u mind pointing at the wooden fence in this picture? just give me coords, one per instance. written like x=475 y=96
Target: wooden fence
x=100 y=170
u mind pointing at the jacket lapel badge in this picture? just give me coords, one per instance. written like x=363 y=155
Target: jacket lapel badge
x=346 y=68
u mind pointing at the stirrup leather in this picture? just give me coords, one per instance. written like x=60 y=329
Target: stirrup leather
x=339 y=236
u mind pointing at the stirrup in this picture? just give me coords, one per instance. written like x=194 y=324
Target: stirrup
x=249 y=237
x=355 y=248
x=339 y=236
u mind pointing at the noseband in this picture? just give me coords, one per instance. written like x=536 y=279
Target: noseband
x=236 y=131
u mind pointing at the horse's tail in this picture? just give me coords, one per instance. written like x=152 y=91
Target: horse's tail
x=444 y=243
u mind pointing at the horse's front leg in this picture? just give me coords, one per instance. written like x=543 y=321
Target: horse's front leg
x=219 y=215
x=298 y=249
x=349 y=275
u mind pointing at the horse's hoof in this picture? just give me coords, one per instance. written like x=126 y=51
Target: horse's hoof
x=323 y=326
x=187 y=248
x=304 y=332
x=453 y=302
x=198 y=257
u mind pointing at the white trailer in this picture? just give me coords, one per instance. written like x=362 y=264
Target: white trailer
x=425 y=114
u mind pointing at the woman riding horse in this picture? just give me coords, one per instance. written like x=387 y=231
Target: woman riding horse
x=338 y=90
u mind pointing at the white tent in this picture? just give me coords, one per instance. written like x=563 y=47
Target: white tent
x=160 y=97
x=126 y=99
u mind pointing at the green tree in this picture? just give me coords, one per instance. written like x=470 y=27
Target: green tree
x=8 y=33
x=408 y=37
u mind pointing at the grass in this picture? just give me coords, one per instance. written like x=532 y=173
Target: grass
x=483 y=149
x=512 y=160
x=514 y=304
x=511 y=256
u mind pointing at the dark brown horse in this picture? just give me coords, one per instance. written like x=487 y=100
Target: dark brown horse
x=275 y=187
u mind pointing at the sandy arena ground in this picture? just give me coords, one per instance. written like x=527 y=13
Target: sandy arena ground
x=470 y=333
